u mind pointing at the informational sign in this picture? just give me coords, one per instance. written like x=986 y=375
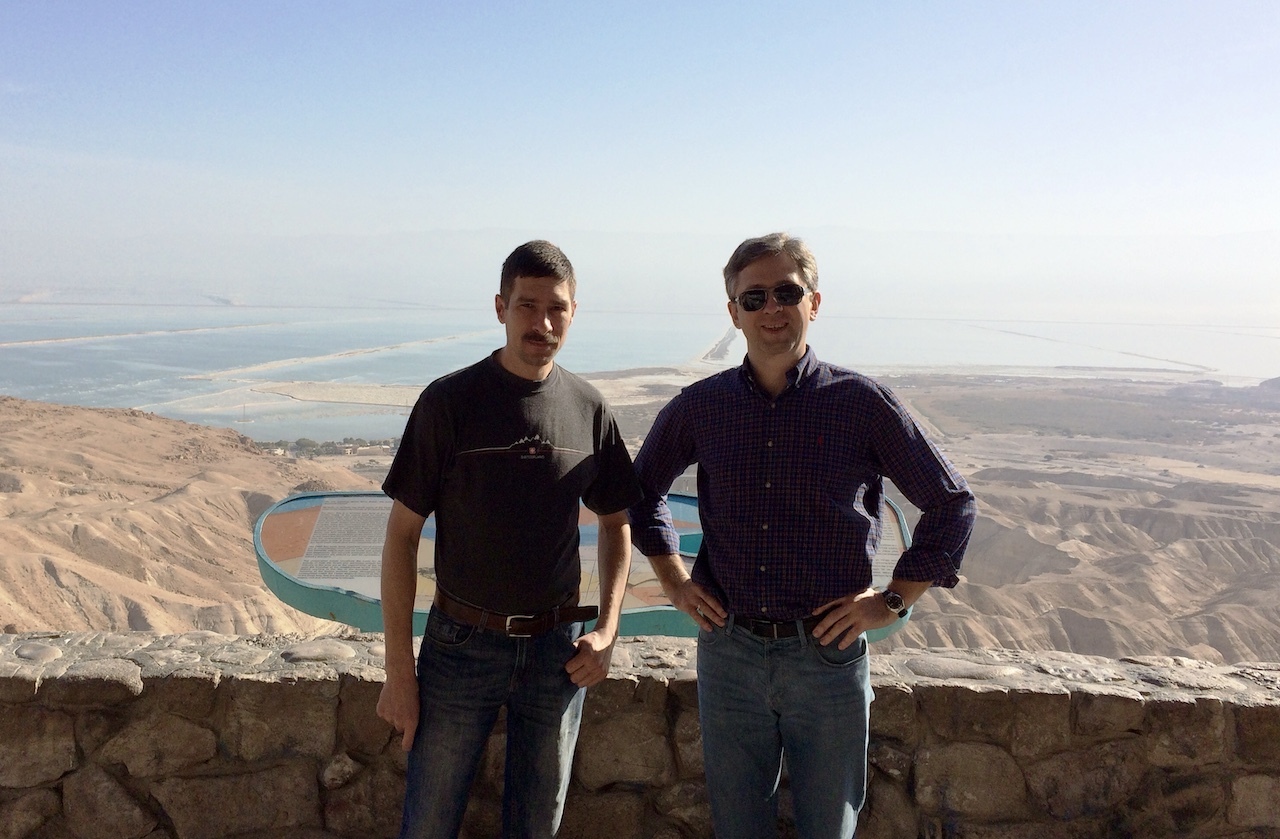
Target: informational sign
x=322 y=553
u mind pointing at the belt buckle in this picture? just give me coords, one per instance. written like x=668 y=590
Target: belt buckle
x=765 y=629
x=507 y=626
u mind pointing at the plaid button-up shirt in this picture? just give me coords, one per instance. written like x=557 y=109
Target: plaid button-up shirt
x=790 y=490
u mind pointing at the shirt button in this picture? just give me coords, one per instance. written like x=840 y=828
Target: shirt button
x=761 y=567
x=768 y=484
x=764 y=608
x=769 y=444
x=764 y=526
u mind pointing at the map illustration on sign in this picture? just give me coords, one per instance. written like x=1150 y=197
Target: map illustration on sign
x=322 y=554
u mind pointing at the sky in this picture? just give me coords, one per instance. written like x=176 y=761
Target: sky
x=1092 y=160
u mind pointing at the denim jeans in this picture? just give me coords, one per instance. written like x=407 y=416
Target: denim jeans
x=465 y=675
x=759 y=699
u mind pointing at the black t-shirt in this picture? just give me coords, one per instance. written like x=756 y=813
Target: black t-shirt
x=503 y=462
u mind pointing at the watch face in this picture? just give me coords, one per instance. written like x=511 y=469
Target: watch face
x=894 y=601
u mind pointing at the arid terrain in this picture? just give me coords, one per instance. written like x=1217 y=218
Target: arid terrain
x=122 y=520
x=1115 y=517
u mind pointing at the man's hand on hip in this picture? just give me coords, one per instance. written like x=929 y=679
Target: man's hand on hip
x=848 y=617
x=698 y=603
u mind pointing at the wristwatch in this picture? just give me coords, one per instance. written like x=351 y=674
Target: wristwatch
x=895 y=603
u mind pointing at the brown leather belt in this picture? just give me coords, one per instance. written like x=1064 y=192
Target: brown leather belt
x=513 y=626
x=778 y=629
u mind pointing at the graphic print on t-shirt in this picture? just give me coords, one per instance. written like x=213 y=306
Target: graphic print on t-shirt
x=527 y=448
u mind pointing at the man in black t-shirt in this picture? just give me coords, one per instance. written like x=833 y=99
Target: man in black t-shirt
x=503 y=452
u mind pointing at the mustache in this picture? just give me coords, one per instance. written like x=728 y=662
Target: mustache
x=538 y=337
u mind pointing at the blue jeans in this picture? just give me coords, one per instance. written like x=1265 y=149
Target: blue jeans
x=465 y=675
x=759 y=699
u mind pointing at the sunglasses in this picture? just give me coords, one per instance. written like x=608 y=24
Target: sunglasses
x=787 y=294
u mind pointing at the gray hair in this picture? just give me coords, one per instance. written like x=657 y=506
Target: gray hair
x=772 y=245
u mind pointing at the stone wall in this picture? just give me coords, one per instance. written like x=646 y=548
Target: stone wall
x=199 y=736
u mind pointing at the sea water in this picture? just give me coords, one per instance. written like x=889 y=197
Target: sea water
x=208 y=364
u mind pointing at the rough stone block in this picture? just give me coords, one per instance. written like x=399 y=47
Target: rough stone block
x=159 y=745
x=970 y=780
x=1099 y=828
x=1258 y=734
x=281 y=798
x=626 y=695
x=95 y=727
x=687 y=737
x=98 y=807
x=608 y=699
x=369 y=804
x=339 y=771
x=888 y=814
x=268 y=718
x=23 y=815
x=968 y=713
x=618 y=815
x=360 y=729
x=1041 y=723
x=1255 y=802
x=626 y=748
x=894 y=763
x=93 y=682
x=893 y=713
x=1083 y=783
x=1188 y=733
x=189 y=693
x=37 y=746
x=686 y=805
x=1107 y=711
x=1177 y=805
x=685 y=691
x=18 y=683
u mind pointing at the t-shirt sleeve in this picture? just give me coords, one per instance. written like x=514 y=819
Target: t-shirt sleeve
x=615 y=487
x=425 y=450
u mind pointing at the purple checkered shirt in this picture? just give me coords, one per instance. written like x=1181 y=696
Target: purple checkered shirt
x=790 y=489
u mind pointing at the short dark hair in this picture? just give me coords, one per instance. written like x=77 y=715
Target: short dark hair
x=771 y=245
x=538 y=258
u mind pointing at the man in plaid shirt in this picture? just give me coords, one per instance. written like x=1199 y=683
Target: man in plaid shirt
x=792 y=454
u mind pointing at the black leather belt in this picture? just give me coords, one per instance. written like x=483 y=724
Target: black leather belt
x=777 y=629
x=513 y=626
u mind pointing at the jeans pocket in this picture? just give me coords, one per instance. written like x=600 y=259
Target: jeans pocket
x=444 y=631
x=832 y=656
x=707 y=637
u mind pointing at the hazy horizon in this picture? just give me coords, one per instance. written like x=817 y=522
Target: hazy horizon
x=1084 y=160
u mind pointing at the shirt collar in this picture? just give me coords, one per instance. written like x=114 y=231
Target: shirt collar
x=796 y=376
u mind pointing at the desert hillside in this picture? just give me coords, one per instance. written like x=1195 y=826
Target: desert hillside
x=1115 y=518
x=122 y=520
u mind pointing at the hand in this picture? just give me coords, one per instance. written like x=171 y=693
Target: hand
x=398 y=705
x=591 y=665
x=698 y=603
x=848 y=617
